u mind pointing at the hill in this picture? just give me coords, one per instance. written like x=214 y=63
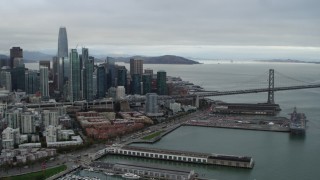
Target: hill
x=166 y=59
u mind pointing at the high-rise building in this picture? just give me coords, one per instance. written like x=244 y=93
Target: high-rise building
x=5 y=80
x=88 y=62
x=122 y=76
x=162 y=83
x=136 y=84
x=136 y=66
x=101 y=81
x=148 y=71
x=18 y=78
x=44 y=82
x=46 y=64
x=75 y=76
x=63 y=54
x=13 y=118
x=51 y=133
x=111 y=73
x=58 y=73
x=32 y=82
x=50 y=118
x=28 y=125
x=152 y=103
x=10 y=138
x=146 y=83
x=62 y=43
x=120 y=93
x=16 y=57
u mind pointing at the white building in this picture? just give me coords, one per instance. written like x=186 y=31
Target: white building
x=5 y=80
x=175 y=107
x=13 y=118
x=28 y=125
x=51 y=133
x=121 y=92
x=50 y=118
x=10 y=137
x=75 y=140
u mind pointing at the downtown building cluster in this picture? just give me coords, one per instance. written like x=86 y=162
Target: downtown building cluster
x=75 y=78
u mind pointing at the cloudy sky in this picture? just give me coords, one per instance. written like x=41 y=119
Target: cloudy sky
x=218 y=29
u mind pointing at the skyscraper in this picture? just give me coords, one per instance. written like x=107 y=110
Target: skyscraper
x=136 y=66
x=32 y=82
x=101 y=81
x=62 y=43
x=58 y=73
x=162 y=83
x=136 y=84
x=44 y=82
x=63 y=53
x=122 y=76
x=147 y=83
x=87 y=74
x=5 y=80
x=16 y=55
x=75 y=76
x=18 y=78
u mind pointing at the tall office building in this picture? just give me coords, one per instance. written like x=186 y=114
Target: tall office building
x=63 y=54
x=146 y=83
x=148 y=71
x=101 y=81
x=162 y=83
x=152 y=103
x=18 y=78
x=62 y=42
x=75 y=76
x=136 y=66
x=16 y=57
x=58 y=73
x=87 y=74
x=136 y=84
x=122 y=76
x=5 y=80
x=32 y=82
x=44 y=82
x=111 y=73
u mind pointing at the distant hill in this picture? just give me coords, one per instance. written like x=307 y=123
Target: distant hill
x=2 y=56
x=166 y=59
x=35 y=56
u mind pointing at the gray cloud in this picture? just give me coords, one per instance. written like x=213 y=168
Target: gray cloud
x=134 y=25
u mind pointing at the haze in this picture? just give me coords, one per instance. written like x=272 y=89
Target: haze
x=195 y=28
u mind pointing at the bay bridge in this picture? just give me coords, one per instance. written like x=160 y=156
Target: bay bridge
x=270 y=89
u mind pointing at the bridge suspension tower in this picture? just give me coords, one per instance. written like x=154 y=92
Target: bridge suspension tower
x=271 y=87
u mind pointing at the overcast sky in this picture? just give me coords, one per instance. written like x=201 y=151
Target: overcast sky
x=193 y=28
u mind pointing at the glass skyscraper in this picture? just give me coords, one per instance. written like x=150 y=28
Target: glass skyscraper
x=101 y=81
x=162 y=83
x=87 y=74
x=75 y=76
x=44 y=82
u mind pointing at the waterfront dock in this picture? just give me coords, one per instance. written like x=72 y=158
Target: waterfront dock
x=182 y=156
x=144 y=172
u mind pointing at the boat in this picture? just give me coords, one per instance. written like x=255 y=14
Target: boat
x=109 y=173
x=89 y=169
x=130 y=176
x=297 y=122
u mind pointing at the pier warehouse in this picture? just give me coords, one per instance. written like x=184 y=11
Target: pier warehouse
x=182 y=156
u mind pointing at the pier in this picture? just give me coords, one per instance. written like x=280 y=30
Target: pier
x=182 y=156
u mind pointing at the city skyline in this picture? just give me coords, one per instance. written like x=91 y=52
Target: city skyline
x=205 y=29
